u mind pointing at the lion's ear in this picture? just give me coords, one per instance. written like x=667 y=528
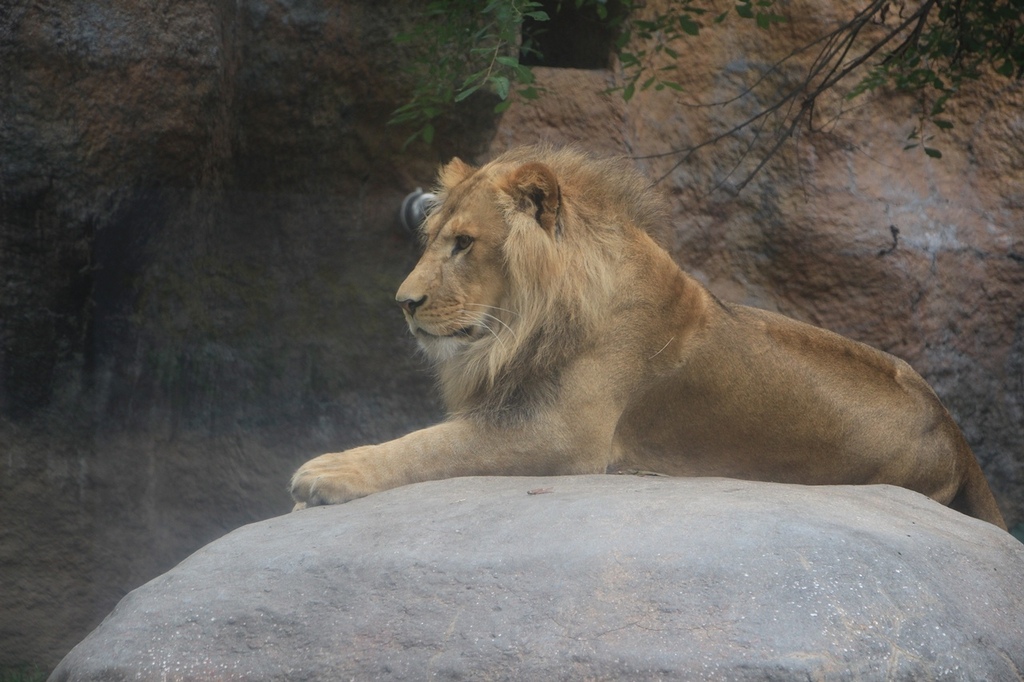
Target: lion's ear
x=454 y=172
x=534 y=188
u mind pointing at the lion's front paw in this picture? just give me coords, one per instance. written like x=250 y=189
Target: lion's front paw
x=333 y=478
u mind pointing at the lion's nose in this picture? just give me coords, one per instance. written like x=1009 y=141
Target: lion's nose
x=410 y=305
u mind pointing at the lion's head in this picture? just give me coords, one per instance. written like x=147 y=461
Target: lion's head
x=519 y=266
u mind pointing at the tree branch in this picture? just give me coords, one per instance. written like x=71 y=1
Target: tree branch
x=829 y=68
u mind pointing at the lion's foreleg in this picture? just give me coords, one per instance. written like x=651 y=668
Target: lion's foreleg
x=447 y=450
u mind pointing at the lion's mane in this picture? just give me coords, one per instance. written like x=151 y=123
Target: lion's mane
x=559 y=288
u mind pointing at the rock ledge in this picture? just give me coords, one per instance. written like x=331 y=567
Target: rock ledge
x=588 y=577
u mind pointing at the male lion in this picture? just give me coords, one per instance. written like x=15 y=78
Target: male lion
x=567 y=342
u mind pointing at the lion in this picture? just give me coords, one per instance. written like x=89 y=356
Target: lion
x=567 y=341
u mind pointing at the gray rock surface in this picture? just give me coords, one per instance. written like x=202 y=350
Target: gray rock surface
x=592 y=577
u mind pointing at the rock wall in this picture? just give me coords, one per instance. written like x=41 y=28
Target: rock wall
x=199 y=252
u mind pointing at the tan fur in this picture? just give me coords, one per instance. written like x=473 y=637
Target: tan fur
x=567 y=341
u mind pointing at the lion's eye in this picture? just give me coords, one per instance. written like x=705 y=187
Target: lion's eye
x=462 y=242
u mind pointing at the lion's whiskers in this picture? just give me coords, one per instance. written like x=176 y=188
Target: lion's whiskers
x=483 y=323
x=480 y=318
x=496 y=317
x=501 y=322
x=494 y=307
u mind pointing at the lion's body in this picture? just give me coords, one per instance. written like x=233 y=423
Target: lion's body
x=567 y=341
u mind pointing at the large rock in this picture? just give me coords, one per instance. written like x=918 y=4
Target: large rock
x=592 y=577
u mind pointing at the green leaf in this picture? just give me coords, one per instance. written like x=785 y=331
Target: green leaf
x=510 y=62
x=502 y=106
x=472 y=80
x=689 y=26
x=627 y=93
x=466 y=93
x=427 y=133
x=745 y=11
x=524 y=74
x=944 y=125
x=934 y=153
x=766 y=19
x=501 y=86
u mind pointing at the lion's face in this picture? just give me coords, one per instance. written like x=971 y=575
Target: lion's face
x=453 y=297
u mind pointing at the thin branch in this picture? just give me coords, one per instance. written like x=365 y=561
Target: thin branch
x=829 y=68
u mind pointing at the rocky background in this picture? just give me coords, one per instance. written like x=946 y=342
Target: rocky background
x=199 y=249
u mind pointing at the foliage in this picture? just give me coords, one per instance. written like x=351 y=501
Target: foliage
x=465 y=48
x=642 y=43
x=926 y=47
x=942 y=45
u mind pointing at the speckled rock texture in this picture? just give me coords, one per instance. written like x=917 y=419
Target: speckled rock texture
x=591 y=577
